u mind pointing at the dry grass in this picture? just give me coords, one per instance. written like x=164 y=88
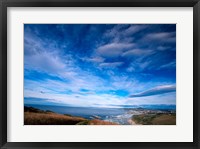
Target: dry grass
x=165 y=120
x=100 y=122
x=155 y=119
x=31 y=118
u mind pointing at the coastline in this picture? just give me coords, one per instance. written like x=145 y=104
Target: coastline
x=139 y=116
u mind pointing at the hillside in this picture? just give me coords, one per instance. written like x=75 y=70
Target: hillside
x=33 y=116
x=155 y=119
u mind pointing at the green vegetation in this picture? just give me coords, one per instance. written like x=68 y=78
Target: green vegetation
x=155 y=119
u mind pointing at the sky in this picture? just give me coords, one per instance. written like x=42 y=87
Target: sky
x=99 y=65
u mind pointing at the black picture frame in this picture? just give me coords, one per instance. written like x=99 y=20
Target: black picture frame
x=4 y=4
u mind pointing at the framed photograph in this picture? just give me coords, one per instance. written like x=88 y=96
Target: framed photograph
x=99 y=74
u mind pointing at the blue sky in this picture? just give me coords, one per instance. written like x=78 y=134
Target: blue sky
x=99 y=64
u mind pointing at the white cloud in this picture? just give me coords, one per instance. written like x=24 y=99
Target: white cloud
x=162 y=36
x=103 y=100
x=134 y=29
x=125 y=83
x=163 y=48
x=111 y=65
x=136 y=52
x=74 y=82
x=138 y=65
x=77 y=99
x=116 y=31
x=113 y=49
x=90 y=98
x=122 y=31
x=167 y=66
x=94 y=59
x=47 y=62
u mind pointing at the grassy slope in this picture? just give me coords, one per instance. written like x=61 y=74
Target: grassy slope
x=33 y=116
x=155 y=119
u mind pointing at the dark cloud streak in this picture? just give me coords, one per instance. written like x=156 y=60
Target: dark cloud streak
x=156 y=91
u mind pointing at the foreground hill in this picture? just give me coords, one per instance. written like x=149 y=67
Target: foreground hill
x=33 y=116
x=155 y=119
